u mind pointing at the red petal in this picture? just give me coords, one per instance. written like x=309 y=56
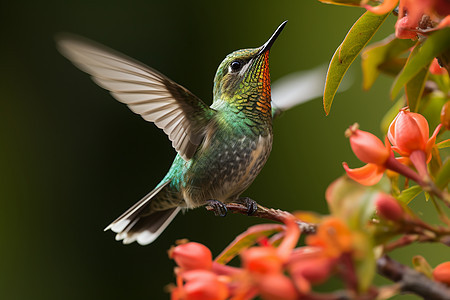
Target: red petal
x=370 y=174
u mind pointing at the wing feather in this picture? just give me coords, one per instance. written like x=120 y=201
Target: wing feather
x=178 y=112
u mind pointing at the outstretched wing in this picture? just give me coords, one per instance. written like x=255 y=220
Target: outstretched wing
x=174 y=109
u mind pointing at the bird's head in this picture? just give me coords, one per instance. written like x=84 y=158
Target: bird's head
x=243 y=76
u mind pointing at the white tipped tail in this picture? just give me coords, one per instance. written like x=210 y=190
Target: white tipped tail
x=137 y=224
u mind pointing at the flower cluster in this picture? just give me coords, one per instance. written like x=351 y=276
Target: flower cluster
x=270 y=271
x=408 y=135
x=415 y=16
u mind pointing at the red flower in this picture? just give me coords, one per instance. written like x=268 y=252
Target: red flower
x=409 y=132
x=277 y=287
x=310 y=263
x=411 y=15
x=191 y=256
x=333 y=236
x=200 y=285
x=369 y=149
x=367 y=175
x=262 y=260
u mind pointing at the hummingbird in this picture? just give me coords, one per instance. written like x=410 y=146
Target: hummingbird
x=220 y=148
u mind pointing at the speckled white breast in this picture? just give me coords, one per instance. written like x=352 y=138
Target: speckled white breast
x=225 y=175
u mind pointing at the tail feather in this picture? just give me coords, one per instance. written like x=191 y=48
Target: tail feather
x=148 y=228
x=137 y=225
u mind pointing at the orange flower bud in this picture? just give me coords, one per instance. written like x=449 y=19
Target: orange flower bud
x=366 y=146
x=445 y=115
x=388 y=207
x=277 y=287
x=408 y=132
x=192 y=256
x=201 y=285
x=262 y=260
x=442 y=273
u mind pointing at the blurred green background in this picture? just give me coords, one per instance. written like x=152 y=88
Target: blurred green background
x=73 y=159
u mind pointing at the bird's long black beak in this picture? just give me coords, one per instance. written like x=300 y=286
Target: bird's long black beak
x=269 y=43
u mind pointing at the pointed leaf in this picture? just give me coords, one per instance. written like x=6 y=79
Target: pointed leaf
x=443 y=177
x=436 y=44
x=390 y=115
x=356 y=39
x=414 y=89
x=381 y=53
x=431 y=107
x=410 y=193
x=442 y=81
x=393 y=67
x=247 y=239
x=443 y=144
x=348 y=2
x=435 y=164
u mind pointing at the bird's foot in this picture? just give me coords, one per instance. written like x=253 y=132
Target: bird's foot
x=251 y=205
x=219 y=208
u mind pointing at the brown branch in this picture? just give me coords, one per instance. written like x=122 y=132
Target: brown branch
x=411 y=281
x=269 y=214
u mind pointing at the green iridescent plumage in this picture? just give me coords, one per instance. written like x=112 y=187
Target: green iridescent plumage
x=221 y=148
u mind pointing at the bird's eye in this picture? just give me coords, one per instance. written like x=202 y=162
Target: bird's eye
x=236 y=65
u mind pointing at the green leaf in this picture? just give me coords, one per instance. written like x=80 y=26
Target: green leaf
x=410 y=193
x=436 y=44
x=414 y=89
x=443 y=177
x=382 y=53
x=365 y=263
x=443 y=144
x=356 y=39
x=442 y=81
x=342 y=2
x=247 y=239
x=431 y=108
x=393 y=67
x=390 y=115
x=354 y=203
x=349 y=2
x=435 y=164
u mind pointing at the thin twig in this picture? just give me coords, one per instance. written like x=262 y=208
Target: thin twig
x=268 y=213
